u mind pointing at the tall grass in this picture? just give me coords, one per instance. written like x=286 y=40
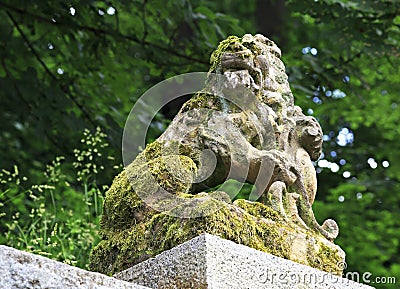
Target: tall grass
x=57 y=218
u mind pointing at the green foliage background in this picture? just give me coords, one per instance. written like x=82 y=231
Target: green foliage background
x=70 y=71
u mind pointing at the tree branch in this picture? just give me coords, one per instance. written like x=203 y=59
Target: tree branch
x=44 y=66
x=30 y=107
x=100 y=31
x=31 y=48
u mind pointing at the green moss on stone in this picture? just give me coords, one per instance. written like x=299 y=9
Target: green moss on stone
x=244 y=47
x=202 y=100
x=231 y=44
x=162 y=232
x=120 y=205
x=133 y=232
x=123 y=207
x=326 y=258
x=258 y=209
x=153 y=150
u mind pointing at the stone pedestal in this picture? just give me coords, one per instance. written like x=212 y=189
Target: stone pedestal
x=208 y=261
x=24 y=270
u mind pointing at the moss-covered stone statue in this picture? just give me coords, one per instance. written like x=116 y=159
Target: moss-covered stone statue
x=244 y=126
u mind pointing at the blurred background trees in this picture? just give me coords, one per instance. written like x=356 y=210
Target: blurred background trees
x=70 y=71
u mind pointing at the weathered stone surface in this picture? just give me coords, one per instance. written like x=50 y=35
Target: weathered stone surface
x=24 y=270
x=243 y=126
x=211 y=262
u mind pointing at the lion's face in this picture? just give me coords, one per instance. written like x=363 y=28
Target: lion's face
x=261 y=58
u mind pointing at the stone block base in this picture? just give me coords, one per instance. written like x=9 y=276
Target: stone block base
x=208 y=261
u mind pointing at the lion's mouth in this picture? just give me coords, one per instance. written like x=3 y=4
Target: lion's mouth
x=259 y=68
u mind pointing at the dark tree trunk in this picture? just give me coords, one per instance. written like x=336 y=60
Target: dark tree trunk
x=270 y=19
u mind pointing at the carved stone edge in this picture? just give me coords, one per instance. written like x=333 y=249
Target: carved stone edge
x=19 y=269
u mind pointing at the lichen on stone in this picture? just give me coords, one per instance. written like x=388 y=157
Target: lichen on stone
x=231 y=44
x=202 y=100
x=162 y=232
x=326 y=258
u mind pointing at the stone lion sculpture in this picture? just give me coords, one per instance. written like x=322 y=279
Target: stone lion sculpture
x=244 y=126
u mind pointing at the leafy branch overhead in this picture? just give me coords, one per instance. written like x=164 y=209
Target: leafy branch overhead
x=83 y=65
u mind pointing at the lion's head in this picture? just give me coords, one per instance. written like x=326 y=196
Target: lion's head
x=261 y=58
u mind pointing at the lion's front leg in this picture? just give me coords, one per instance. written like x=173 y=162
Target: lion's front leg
x=273 y=173
x=275 y=196
x=283 y=202
x=268 y=167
